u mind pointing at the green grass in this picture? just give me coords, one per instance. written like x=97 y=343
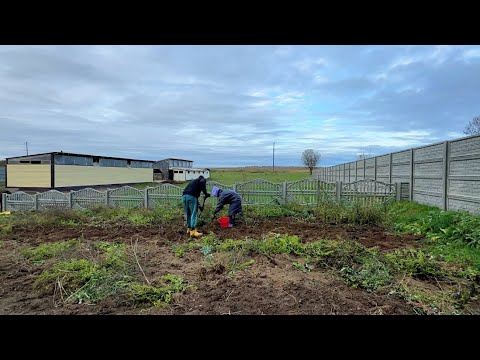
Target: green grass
x=111 y=274
x=48 y=250
x=235 y=176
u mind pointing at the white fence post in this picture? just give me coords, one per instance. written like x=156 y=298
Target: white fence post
x=398 y=189
x=234 y=187
x=145 y=197
x=70 y=199
x=107 y=197
x=35 y=199
x=284 y=192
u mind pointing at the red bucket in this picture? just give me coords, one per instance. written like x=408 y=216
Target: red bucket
x=224 y=222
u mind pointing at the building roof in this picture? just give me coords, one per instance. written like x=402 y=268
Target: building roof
x=188 y=168
x=175 y=159
x=73 y=154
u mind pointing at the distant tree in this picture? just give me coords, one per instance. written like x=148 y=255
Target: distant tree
x=363 y=155
x=310 y=159
x=473 y=127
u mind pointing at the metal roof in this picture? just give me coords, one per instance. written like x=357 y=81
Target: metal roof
x=175 y=159
x=73 y=154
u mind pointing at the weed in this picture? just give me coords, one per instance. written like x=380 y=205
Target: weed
x=415 y=263
x=306 y=267
x=179 y=250
x=47 y=250
x=115 y=254
x=277 y=244
x=158 y=296
x=72 y=274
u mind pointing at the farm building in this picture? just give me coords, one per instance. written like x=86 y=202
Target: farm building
x=2 y=174
x=67 y=170
x=177 y=170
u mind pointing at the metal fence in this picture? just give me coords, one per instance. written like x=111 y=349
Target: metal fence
x=446 y=174
x=256 y=192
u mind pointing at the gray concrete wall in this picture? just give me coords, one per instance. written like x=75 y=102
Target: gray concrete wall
x=445 y=174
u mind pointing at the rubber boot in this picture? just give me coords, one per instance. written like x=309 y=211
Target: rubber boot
x=195 y=233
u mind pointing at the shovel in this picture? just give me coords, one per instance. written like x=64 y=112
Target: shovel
x=201 y=222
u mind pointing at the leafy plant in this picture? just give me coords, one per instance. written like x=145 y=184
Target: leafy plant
x=48 y=250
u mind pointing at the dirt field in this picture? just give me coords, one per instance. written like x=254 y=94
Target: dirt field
x=269 y=286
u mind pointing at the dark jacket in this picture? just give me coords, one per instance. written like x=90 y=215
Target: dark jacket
x=196 y=186
x=229 y=197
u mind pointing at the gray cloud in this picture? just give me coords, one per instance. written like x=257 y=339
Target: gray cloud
x=225 y=105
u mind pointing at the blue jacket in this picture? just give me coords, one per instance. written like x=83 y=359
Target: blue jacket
x=229 y=197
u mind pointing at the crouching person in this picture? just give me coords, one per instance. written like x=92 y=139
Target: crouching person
x=228 y=197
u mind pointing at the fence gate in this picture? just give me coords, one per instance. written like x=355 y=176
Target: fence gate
x=260 y=192
x=309 y=192
x=368 y=191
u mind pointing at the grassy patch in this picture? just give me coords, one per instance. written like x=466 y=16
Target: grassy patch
x=415 y=263
x=48 y=250
x=111 y=271
x=231 y=177
x=157 y=296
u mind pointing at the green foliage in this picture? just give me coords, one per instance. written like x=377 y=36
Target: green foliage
x=6 y=229
x=231 y=245
x=157 y=296
x=277 y=244
x=305 y=267
x=371 y=274
x=437 y=225
x=236 y=267
x=456 y=252
x=115 y=254
x=415 y=263
x=72 y=274
x=179 y=250
x=47 y=250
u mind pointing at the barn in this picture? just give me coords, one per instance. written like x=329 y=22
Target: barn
x=177 y=170
x=67 y=170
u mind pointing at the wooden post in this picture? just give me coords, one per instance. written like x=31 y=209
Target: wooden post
x=145 y=197
x=70 y=199
x=107 y=197
x=35 y=199
x=339 y=190
x=375 y=169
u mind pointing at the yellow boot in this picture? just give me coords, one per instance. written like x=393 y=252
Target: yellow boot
x=195 y=233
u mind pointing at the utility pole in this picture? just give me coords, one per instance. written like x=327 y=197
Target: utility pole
x=26 y=147
x=273 y=159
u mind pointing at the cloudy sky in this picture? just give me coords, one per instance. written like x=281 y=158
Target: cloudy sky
x=226 y=105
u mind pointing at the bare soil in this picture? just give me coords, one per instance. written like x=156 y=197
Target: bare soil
x=270 y=286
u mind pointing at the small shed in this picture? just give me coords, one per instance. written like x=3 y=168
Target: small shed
x=177 y=170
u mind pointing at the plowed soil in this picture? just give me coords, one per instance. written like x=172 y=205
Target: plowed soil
x=270 y=286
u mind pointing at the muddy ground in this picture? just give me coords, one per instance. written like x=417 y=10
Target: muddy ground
x=270 y=286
